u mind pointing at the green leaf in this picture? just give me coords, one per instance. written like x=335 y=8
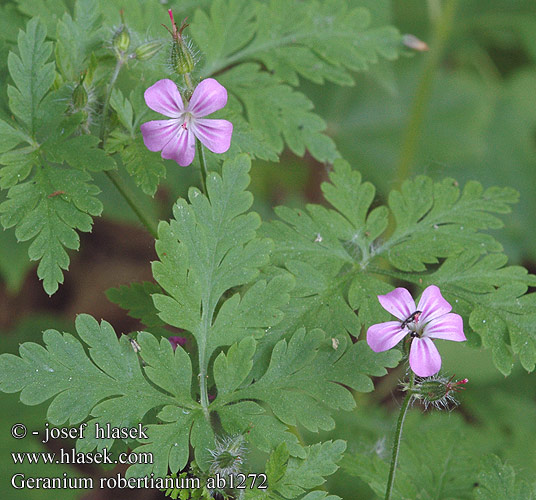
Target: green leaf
x=77 y=38
x=17 y=166
x=290 y=477
x=137 y=299
x=338 y=256
x=9 y=137
x=288 y=39
x=50 y=11
x=497 y=481
x=63 y=371
x=81 y=152
x=278 y=112
x=143 y=165
x=48 y=209
x=208 y=248
x=32 y=75
x=114 y=388
x=441 y=221
x=318 y=40
x=437 y=467
x=304 y=384
x=32 y=416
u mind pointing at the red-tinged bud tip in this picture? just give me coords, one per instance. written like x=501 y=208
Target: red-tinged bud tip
x=170 y=12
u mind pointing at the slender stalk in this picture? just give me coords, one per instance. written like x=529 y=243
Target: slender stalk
x=104 y=122
x=203 y=163
x=116 y=179
x=203 y=386
x=419 y=106
x=398 y=437
x=129 y=197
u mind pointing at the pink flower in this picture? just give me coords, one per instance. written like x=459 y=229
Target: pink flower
x=431 y=319
x=176 y=137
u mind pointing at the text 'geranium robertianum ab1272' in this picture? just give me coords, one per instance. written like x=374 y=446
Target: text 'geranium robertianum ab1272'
x=430 y=319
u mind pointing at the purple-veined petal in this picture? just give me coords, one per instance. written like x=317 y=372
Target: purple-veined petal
x=424 y=358
x=383 y=336
x=157 y=133
x=181 y=148
x=432 y=304
x=447 y=327
x=399 y=303
x=164 y=98
x=208 y=96
x=214 y=134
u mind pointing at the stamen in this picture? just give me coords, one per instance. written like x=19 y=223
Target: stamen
x=412 y=318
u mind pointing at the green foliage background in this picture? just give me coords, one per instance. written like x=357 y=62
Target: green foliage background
x=464 y=111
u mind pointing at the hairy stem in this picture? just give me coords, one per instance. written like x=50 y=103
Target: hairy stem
x=104 y=122
x=419 y=106
x=116 y=179
x=398 y=437
x=203 y=164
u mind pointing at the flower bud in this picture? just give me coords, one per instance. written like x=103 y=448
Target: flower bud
x=79 y=97
x=438 y=391
x=181 y=56
x=121 y=40
x=228 y=456
x=147 y=50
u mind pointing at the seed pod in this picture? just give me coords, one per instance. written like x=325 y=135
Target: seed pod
x=147 y=50
x=181 y=57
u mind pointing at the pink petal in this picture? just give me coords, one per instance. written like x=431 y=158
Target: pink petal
x=424 y=357
x=165 y=98
x=214 y=134
x=208 y=96
x=448 y=327
x=157 y=133
x=432 y=304
x=181 y=147
x=383 y=336
x=399 y=303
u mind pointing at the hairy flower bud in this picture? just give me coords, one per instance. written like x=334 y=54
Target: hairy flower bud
x=438 y=391
x=181 y=57
x=147 y=50
x=80 y=97
x=121 y=39
x=228 y=456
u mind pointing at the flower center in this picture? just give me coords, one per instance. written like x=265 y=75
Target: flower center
x=186 y=119
x=412 y=324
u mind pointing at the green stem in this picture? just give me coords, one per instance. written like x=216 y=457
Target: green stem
x=398 y=437
x=203 y=163
x=203 y=385
x=116 y=179
x=419 y=106
x=104 y=122
x=128 y=195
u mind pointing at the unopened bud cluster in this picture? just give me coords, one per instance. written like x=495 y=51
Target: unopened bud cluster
x=437 y=391
x=122 y=42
